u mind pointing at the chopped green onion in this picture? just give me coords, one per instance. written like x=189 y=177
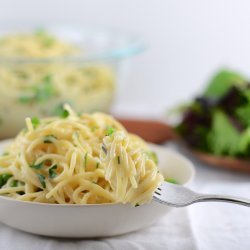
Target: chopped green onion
x=35 y=122
x=137 y=205
x=118 y=160
x=42 y=180
x=110 y=131
x=171 y=180
x=14 y=183
x=97 y=165
x=37 y=166
x=52 y=172
x=64 y=114
x=4 y=178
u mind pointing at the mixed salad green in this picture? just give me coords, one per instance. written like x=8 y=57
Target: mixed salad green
x=218 y=121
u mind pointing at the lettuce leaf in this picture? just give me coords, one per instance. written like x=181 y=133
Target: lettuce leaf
x=222 y=82
x=224 y=138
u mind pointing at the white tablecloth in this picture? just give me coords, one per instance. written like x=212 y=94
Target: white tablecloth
x=207 y=226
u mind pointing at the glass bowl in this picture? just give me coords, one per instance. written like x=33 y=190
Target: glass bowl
x=87 y=80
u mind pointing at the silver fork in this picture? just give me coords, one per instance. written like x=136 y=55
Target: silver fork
x=179 y=196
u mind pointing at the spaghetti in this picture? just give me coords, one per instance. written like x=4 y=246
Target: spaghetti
x=86 y=159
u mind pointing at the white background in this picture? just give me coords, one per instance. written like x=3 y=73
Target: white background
x=187 y=41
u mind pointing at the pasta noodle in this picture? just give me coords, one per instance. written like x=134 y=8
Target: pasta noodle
x=36 y=78
x=78 y=159
x=39 y=44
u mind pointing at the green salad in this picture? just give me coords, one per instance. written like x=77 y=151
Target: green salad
x=218 y=121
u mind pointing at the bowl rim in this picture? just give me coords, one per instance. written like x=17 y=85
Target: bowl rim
x=133 y=44
x=188 y=163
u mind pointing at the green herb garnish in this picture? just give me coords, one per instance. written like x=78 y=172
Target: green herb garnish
x=110 y=131
x=52 y=172
x=35 y=122
x=64 y=114
x=37 y=166
x=137 y=205
x=171 y=180
x=27 y=98
x=41 y=92
x=41 y=178
x=46 y=90
x=4 y=178
x=60 y=111
x=14 y=183
x=97 y=165
x=118 y=160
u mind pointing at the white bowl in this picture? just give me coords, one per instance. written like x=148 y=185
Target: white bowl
x=85 y=221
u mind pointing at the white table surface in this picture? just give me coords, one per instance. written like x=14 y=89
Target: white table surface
x=207 y=226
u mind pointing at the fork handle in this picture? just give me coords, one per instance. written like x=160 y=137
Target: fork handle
x=223 y=198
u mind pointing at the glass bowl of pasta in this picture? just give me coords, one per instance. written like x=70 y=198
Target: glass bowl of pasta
x=42 y=68
x=83 y=176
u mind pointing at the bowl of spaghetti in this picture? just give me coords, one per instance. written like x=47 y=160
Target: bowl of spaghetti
x=83 y=176
x=42 y=68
